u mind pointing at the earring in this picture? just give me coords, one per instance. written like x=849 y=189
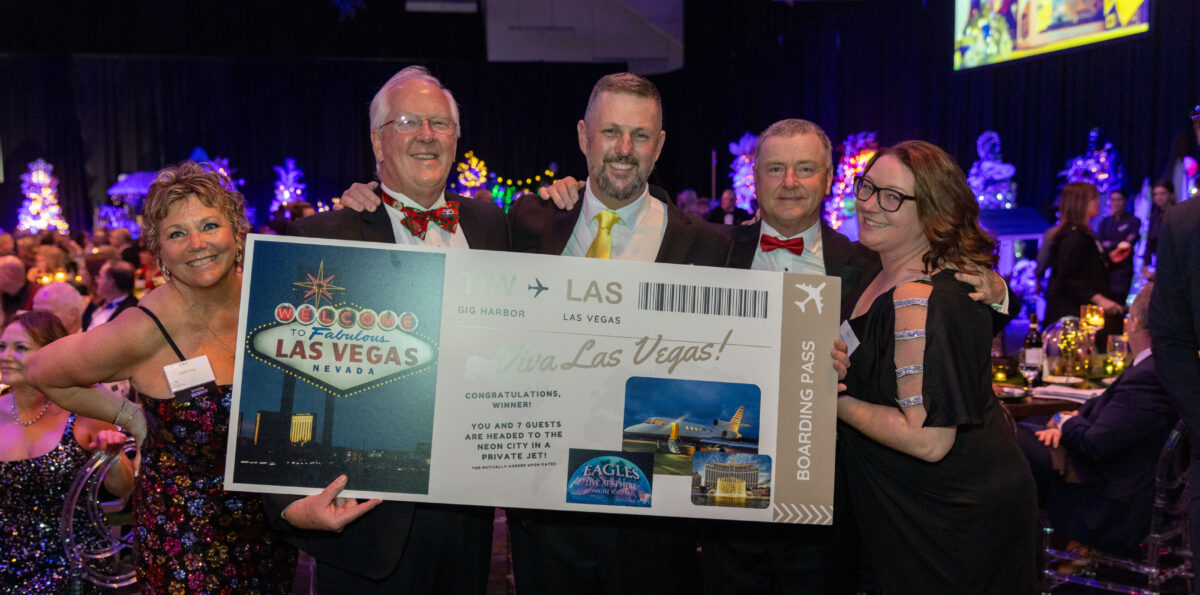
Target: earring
x=166 y=273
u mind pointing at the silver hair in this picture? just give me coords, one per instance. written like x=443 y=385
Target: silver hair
x=380 y=103
x=793 y=127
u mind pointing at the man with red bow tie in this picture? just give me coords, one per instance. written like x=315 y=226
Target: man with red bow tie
x=401 y=547
x=793 y=169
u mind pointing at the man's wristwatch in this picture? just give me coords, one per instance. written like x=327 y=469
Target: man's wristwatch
x=1059 y=418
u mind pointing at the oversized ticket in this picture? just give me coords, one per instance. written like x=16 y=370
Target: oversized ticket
x=532 y=381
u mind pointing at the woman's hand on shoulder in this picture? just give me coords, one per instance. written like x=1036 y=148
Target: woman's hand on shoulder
x=988 y=286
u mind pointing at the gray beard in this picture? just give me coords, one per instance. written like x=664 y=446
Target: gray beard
x=605 y=185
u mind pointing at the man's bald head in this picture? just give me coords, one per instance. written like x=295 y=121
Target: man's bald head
x=12 y=274
x=64 y=301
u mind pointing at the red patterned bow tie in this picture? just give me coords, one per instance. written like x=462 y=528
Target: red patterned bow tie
x=418 y=221
x=768 y=243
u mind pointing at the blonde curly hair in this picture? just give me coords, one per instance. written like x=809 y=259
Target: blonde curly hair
x=176 y=183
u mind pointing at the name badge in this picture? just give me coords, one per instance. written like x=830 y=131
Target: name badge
x=847 y=336
x=191 y=378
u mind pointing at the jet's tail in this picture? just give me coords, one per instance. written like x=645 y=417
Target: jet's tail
x=735 y=422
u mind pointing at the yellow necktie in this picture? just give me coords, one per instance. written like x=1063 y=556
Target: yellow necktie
x=602 y=245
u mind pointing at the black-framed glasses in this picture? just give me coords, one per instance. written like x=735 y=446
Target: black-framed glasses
x=889 y=199
x=408 y=124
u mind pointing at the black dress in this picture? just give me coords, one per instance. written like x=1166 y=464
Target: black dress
x=965 y=524
x=1078 y=272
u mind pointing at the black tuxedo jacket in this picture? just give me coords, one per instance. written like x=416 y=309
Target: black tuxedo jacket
x=1175 y=313
x=482 y=224
x=372 y=545
x=1118 y=436
x=124 y=305
x=850 y=261
x=855 y=264
x=541 y=227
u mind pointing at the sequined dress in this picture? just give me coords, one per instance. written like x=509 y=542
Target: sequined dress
x=192 y=535
x=31 y=554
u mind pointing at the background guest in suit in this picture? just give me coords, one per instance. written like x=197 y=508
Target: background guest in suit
x=402 y=547
x=1118 y=234
x=728 y=212
x=122 y=240
x=1175 y=325
x=1162 y=198
x=115 y=290
x=1102 y=491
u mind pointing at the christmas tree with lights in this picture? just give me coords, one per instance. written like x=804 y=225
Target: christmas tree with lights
x=40 y=208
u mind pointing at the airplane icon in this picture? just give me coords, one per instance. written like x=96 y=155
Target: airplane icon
x=814 y=295
x=539 y=288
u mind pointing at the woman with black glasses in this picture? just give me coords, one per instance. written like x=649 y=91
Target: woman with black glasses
x=943 y=499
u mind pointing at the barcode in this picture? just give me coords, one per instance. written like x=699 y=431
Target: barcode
x=700 y=299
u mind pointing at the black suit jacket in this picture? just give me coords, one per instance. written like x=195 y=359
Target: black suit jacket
x=854 y=263
x=1175 y=311
x=850 y=261
x=372 y=545
x=1118 y=436
x=124 y=305
x=541 y=227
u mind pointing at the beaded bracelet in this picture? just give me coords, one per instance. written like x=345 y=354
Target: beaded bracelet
x=120 y=412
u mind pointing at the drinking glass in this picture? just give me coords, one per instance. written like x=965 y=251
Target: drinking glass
x=1118 y=351
x=1030 y=364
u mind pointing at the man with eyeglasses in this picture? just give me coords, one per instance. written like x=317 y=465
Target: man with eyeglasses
x=402 y=547
x=793 y=171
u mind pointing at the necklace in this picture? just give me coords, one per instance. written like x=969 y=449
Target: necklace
x=32 y=421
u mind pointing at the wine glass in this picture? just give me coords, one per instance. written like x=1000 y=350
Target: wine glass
x=1030 y=364
x=1118 y=351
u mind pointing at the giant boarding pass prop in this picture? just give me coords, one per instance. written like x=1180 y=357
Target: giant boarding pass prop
x=533 y=381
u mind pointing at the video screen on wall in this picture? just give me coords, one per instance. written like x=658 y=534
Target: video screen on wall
x=994 y=31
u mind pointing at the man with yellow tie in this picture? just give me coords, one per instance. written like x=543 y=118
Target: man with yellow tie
x=621 y=136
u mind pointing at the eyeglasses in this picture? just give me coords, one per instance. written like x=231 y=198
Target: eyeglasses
x=408 y=124
x=889 y=199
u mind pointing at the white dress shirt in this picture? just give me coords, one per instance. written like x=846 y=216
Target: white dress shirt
x=434 y=234
x=104 y=314
x=637 y=236
x=812 y=262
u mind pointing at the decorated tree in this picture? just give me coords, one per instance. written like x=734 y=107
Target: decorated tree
x=288 y=187
x=40 y=208
x=857 y=150
x=743 y=168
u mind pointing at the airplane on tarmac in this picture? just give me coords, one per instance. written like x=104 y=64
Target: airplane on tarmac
x=678 y=433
